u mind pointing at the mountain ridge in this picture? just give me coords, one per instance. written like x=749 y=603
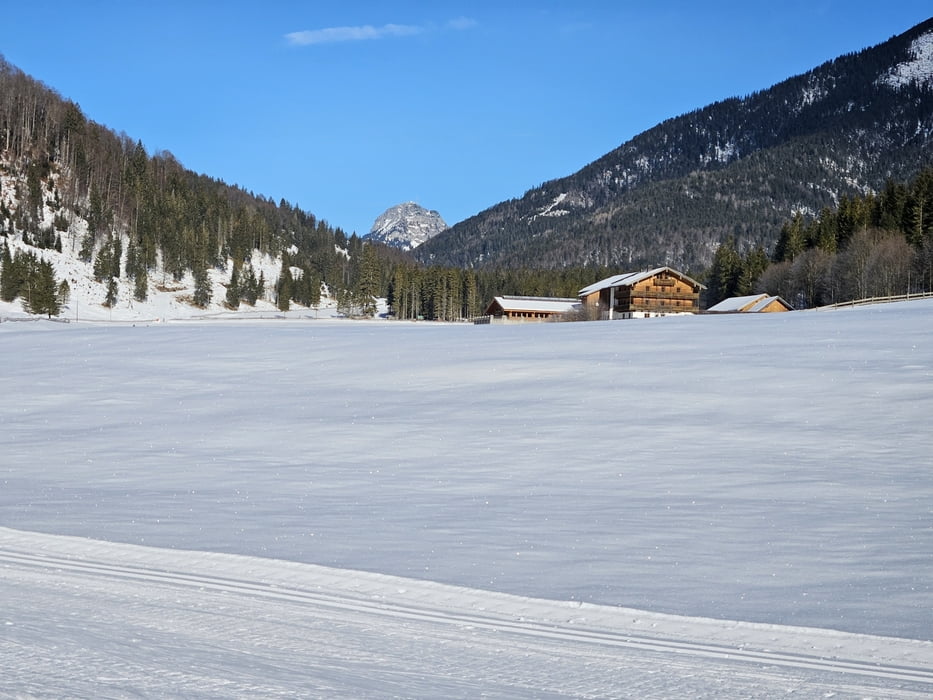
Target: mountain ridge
x=739 y=166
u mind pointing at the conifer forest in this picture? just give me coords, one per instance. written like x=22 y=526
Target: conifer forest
x=141 y=219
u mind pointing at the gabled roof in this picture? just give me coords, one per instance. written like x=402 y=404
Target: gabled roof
x=627 y=279
x=614 y=281
x=557 y=305
x=752 y=303
x=766 y=302
x=733 y=304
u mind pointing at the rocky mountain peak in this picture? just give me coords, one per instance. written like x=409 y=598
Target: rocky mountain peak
x=406 y=226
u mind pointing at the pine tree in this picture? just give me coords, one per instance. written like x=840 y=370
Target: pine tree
x=852 y=215
x=141 y=285
x=890 y=206
x=260 y=289
x=725 y=273
x=369 y=273
x=249 y=286
x=233 y=289
x=398 y=298
x=103 y=264
x=824 y=234
x=918 y=209
x=202 y=287
x=43 y=290
x=64 y=292
x=116 y=255
x=754 y=264
x=283 y=289
x=470 y=295
x=112 y=292
x=9 y=279
x=314 y=289
x=791 y=242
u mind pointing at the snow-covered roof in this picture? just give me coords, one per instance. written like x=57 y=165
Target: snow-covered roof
x=736 y=303
x=544 y=304
x=627 y=279
x=752 y=303
x=614 y=281
x=764 y=303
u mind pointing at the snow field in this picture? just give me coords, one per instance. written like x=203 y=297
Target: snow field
x=105 y=620
x=772 y=469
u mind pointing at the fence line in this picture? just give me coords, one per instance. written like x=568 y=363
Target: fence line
x=32 y=319
x=877 y=300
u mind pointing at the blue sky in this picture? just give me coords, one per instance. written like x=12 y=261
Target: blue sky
x=347 y=108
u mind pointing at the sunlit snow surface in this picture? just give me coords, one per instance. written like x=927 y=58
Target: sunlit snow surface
x=92 y=619
x=774 y=469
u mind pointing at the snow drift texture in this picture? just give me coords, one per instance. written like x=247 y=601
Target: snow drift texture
x=773 y=469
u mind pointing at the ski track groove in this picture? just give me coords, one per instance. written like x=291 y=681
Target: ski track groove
x=348 y=602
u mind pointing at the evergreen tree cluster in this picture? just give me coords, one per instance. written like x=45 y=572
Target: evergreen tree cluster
x=244 y=286
x=435 y=293
x=867 y=246
x=28 y=276
x=906 y=209
x=733 y=274
x=445 y=293
x=168 y=218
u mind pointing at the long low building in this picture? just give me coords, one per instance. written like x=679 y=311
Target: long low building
x=527 y=309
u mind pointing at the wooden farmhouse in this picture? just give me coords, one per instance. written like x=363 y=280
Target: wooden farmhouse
x=753 y=304
x=519 y=309
x=659 y=292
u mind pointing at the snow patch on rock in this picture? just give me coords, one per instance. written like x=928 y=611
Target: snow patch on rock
x=918 y=70
x=406 y=226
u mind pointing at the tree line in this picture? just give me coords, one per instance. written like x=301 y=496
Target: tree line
x=448 y=293
x=870 y=245
x=143 y=213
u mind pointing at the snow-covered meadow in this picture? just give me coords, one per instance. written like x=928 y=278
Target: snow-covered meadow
x=524 y=483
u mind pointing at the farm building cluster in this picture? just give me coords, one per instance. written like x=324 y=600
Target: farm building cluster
x=662 y=291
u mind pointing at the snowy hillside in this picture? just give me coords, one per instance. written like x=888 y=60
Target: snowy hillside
x=726 y=506
x=919 y=69
x=737 y=167
x=166 y=297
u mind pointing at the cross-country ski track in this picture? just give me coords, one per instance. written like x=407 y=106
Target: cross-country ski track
x=147 y=621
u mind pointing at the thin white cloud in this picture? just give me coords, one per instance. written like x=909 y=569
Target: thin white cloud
x=461 y=23
x=332 y=35
x=366 y=32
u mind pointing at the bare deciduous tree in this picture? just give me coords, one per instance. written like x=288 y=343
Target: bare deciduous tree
x=889 y=266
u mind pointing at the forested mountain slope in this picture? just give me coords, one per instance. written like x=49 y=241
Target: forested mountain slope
x=72 y=189
x=738 y=167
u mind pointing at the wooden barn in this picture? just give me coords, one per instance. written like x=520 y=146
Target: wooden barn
x=527 y=309
x=659 y=292
x=753 y=304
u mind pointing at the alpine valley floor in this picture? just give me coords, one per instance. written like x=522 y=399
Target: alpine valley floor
x=702 y=506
